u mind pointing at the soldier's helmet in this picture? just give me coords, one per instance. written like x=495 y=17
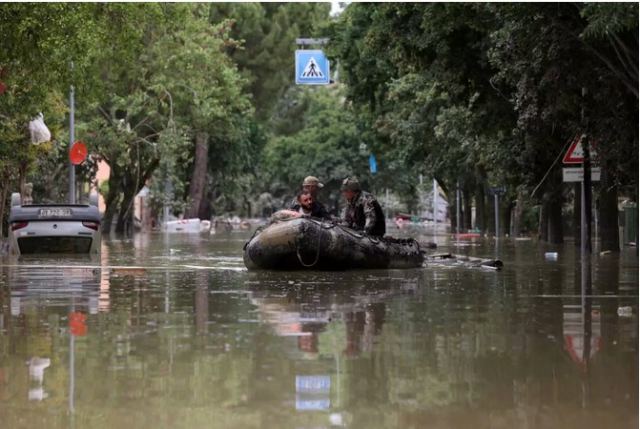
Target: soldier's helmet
x=350 y=184
x=312 y=181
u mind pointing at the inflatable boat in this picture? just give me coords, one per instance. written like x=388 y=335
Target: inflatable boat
x=303 y=243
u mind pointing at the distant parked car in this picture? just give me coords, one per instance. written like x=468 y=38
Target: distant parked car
x=54 y=228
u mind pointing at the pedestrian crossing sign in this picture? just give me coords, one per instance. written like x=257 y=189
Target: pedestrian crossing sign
x=312 y=67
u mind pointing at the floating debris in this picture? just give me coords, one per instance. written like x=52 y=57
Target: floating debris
x=626 y=311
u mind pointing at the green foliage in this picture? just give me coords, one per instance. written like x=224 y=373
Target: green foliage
x=489 y=94
x=481 y=94
x=327 y=145
x=266 y=33
x=607 y=19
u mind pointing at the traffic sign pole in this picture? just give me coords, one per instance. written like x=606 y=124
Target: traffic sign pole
x=585 y=210
x=72 y=168
x=586 y=200
x=497 y=191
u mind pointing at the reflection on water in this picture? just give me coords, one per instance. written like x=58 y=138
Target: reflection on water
x=172 y=332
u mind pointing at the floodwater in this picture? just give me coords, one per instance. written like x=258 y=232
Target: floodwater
x=173 y=332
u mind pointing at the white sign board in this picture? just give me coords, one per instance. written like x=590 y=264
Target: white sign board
x=575 y=174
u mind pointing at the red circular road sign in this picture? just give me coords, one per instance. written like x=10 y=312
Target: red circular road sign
x=78 y=153
x=78 y=324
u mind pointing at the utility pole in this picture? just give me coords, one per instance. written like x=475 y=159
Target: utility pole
x=72 y=168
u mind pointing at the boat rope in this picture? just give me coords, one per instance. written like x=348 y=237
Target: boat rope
x=327 y=225
x=315 y=261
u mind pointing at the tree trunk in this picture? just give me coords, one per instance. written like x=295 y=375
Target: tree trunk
x=505 y=223
x=556 y=232
x=206 y=209
x=452 y=216
x=480 y=209
x=608 y=217
x=247 y=205
x=109 y=211
x=552 y=202
x=3 y=202
x=125 y=215
x=466 y=208
x=111 y=199
x=517 y=215
x=543 y=222
x=199 y=176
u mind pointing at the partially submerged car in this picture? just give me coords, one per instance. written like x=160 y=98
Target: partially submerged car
x=54 y=228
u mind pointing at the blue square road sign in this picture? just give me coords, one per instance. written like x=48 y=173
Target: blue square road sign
x=312 y=67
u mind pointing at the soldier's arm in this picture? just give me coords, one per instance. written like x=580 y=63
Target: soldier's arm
x=370 y=216
x=293 y=205
x=343 y=220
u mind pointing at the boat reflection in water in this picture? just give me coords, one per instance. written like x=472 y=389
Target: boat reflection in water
x=323 y=326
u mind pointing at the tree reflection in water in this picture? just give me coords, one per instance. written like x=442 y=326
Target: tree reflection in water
x=445 y=347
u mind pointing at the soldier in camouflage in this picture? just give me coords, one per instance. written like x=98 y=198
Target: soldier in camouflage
x=363 y=212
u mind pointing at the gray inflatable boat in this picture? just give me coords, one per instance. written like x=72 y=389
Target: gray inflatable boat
x=303 y=243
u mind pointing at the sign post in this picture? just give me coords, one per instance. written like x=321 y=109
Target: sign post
x=497 y=191
x=580 y=152
x=585 y=214
x=72 y=167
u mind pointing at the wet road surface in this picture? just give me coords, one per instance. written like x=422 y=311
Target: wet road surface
x=173 y=332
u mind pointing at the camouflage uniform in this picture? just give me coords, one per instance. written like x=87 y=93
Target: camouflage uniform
x=363 y=213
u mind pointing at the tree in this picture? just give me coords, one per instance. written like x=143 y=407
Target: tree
x=489 y=94
x=179 y=91
x=421 y=73
x=206 y=94
x=38 y=47
x=327 y=146
x=267 y=33
x=561 y=86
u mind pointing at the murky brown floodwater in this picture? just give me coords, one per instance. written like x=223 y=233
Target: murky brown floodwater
x=172 y=332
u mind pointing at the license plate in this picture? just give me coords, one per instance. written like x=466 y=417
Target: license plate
x=55 y=212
